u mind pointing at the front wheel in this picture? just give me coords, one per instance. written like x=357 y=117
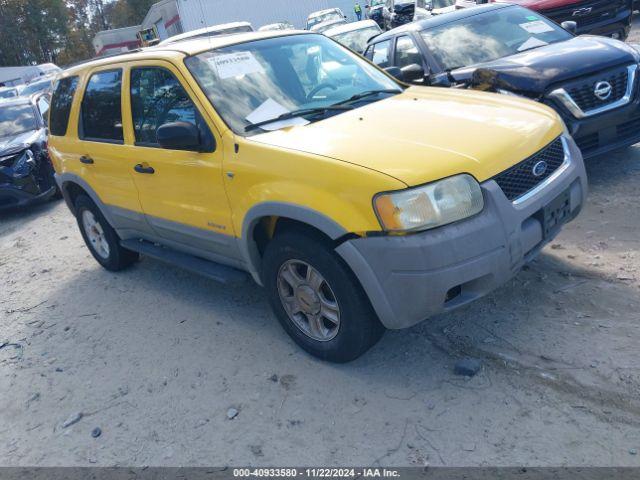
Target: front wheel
x=101 y=239
x=317 y=299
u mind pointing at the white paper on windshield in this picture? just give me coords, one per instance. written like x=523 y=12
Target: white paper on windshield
x=272 y=109
x=235 y=64
x=536 y=27
x=533 y=42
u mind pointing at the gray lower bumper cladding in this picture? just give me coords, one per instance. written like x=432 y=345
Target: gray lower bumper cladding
x=410 y=278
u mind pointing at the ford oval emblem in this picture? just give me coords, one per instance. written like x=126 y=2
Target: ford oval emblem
x=539 y=168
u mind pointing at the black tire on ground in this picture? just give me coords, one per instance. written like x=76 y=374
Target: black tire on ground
x=118 y=258
x=359 y=328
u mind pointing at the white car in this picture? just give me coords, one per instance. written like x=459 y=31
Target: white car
x=428 y=8
x=324 y=16
x=40 y=85
x=324 y=26
x=276 y=26
x=8 y=93
x=222 y=29
x=460 y=4
x=355 y=35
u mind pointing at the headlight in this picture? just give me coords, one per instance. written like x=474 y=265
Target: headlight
x=25 y=163
x=439 y=203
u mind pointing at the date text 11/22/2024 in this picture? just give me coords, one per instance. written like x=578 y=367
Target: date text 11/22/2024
x=316 y=472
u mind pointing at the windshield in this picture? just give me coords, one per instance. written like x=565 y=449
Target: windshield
x=8 y=93
x=325 y=17
x=489 y=36
x=375 y=3
x=357 y=40
x=323 y=27
x=16 y=119
x=35 y=88
x=260 y=80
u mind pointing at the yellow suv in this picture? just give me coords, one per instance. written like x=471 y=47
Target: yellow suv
x=358 y=202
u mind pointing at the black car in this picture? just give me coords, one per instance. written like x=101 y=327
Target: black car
x=397 y=12
x=590 y=81
x=26 y=173
x=375 y=12
x=611 y=18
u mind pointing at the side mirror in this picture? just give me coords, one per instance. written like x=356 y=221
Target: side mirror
x=570 y=26
x=413 y=73
x=441 y=80
x=395 y=72
x=179 y=136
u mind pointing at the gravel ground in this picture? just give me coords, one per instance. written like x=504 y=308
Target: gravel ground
x=156 y=357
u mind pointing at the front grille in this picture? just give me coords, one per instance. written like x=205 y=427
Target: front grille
x=520 y=179
x=585 y=13
x=588 y=143
x=629 y=129
x=583 y=91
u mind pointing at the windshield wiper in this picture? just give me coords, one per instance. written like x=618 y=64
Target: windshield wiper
x=297 y=113
x=368 y=93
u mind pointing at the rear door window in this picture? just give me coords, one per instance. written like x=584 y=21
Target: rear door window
x=101 y=114
x=157 y=97
x=380 y=55
x=61 y=105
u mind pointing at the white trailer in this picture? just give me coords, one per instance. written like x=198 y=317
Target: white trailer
x=171 y=17
x=117 y=40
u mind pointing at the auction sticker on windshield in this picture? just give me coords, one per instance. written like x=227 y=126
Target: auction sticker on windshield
x=536 y=27
x=235 y=64
x=271 y=109
x=533 y=42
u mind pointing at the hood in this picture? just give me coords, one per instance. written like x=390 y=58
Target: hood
x=542 y=4
x=533 y=71
x=425 y=134
x=16 y=143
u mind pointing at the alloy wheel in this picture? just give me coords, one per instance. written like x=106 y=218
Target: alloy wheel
x=308 y=300
x=95 y=234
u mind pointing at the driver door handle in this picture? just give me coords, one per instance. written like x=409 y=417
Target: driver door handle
x=86 y=160
x=140 y=168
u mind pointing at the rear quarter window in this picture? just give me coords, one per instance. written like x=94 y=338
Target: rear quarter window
x=61 y=105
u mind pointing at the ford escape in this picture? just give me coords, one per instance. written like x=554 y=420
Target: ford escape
x=242 y=155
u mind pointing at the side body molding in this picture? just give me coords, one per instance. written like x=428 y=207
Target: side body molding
x=299 y=213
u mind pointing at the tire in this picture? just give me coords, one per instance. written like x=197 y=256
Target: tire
x=286 y=258
x=104 y=243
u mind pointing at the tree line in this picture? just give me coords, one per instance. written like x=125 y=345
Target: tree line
x=60 y=31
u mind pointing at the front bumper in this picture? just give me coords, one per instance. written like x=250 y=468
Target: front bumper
x=12 y=197
x=607 y=131
x=19 y=188
x=410 y=278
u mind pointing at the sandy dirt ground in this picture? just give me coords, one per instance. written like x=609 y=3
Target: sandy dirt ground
x=155 y=357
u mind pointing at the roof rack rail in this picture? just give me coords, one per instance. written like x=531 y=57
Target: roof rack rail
x=82 y=62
